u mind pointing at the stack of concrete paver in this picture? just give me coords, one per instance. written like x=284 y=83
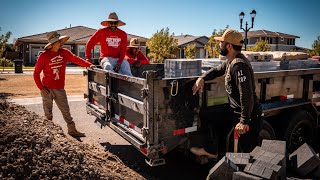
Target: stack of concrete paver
x=267 y=162
x=265 y=66
x=182 y=67
x=298 y=64
x=207 y=64
x=305 y=162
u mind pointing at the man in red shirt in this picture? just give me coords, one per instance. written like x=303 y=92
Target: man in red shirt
x=133 y=54
x=113 y=44
x=52 y=63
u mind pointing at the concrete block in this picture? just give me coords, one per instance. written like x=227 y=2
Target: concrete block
x=260 y=171
x=274 y=146
x=224 y=169
x=239 y=159
x=257 y=151
x=304 y=160
x=279 y=171
x=270 y=157
x=244 y=176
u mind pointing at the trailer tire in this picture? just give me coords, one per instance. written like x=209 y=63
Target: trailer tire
x=266 y=132
x=299 y=130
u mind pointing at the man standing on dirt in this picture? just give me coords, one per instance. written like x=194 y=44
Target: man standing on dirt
x=240 y=86
x=134 y=55
x=52 y=63
x=113 y=44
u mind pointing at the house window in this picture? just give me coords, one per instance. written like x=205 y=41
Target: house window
x=269 y=39
x=82 y=51
x=96 y=51
x=281 y=39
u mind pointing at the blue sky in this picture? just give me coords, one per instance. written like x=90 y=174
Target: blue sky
x=145 y=17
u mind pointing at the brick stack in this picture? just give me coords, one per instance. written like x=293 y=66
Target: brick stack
x=182 y=68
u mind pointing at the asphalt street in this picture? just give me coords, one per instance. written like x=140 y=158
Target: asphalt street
x=177 y=167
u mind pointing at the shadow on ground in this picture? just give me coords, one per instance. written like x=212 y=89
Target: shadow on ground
x=177 y=165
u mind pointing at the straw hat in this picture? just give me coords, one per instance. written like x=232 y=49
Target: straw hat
x=134 y=42
x=53 y=37
x=231 y=36
x=112 y=17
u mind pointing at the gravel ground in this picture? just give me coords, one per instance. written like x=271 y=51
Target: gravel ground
x=34 y=148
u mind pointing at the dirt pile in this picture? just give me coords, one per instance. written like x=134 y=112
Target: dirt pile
x=32 y=147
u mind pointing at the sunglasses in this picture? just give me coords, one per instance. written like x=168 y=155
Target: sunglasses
x=113 y=22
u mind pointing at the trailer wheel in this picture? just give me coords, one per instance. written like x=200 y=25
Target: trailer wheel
x=266 y=132
x=299 y=130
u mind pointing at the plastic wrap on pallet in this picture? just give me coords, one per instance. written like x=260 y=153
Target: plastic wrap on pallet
x=265 y=66
x=206 y=64
x=182 y=67
x=298 y=64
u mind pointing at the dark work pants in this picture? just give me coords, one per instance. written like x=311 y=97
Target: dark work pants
x=218 y=129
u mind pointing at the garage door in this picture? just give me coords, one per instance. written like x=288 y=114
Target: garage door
x=34 y=53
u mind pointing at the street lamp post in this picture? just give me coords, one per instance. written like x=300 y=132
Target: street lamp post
x=241 y=16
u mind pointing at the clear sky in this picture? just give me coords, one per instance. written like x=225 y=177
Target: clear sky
x=145 y=17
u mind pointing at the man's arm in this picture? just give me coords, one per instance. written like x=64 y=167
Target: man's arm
x=37 y=70
x=215 y=72
x=211 y=74
x=92 y=42
x=76 y=60
x=242 y=76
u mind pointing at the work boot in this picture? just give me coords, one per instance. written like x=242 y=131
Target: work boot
x=202 y=152
x=72 y=131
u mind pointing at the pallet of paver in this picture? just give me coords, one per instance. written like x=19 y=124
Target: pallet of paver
x=298 y=64
x=182 y=68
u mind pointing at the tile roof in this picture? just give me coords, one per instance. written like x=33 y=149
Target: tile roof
x=184 y=39
x=259 y=33
x=78 y=35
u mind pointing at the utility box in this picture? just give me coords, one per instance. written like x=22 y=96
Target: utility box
x=18 y=64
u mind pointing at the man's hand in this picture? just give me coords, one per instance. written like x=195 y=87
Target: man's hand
x=45 y=91
x=117 y=67
x=198 y=86
x=136 y=65
x=89 y=60
x=92 y=66
x=241 y=128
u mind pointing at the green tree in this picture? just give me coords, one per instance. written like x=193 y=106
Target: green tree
x=3 y=42
x=190 y=51
x=162 y=46
x=5 y=63
x=316 y=47
x=213 y=46
x=260 y=46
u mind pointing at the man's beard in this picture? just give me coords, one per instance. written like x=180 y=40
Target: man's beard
x=224 y=51
x=113 y=28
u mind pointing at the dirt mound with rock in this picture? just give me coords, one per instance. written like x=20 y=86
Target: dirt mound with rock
x=32 y=147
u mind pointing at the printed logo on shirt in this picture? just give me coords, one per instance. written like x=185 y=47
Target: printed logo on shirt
x=241 y=77
x=113 y=41
x=55 y=66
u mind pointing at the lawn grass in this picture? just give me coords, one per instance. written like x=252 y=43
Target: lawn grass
x=23 y=86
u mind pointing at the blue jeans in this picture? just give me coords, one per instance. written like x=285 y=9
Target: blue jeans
x=108 y=63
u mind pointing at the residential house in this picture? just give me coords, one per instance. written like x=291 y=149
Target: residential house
x=29 y=46
x=185 y=40
x=278 y=41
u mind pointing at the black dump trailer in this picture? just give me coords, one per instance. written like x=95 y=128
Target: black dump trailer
x=157 y=114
